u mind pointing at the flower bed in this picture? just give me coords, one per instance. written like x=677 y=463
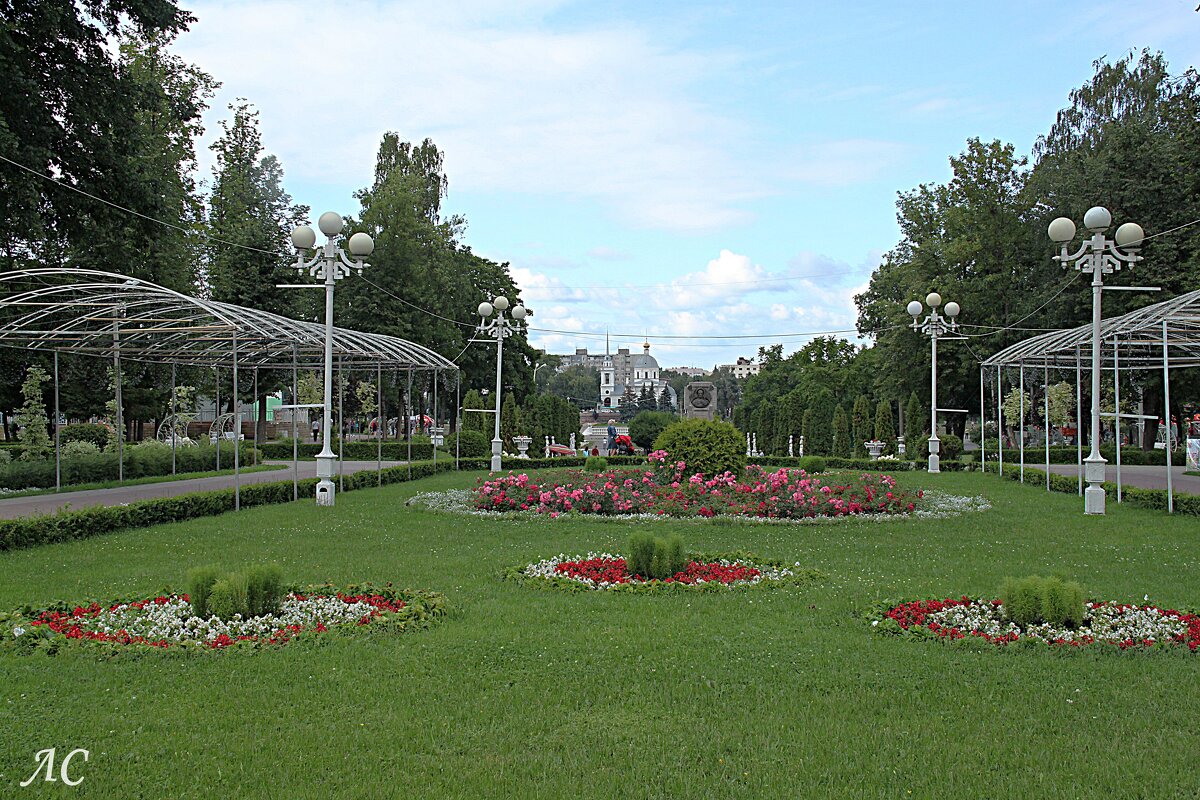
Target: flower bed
x=167 y=621
x=1122 y=625
x=605 y=571
x=668 y=490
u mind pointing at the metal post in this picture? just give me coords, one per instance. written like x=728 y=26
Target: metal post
x=382 y=422
x=325 y=490
x=57 y=444
x=1167 y=417
x=341 y=426
x=1093 y=495
x=433 y=446
x=237 y=433
x=1000 y=417
x=408 y=421
x=1117 y=408
x=120 y=411
x=1046 y=416
x=257 y=417
x=1021 y=423
x=217 y=415
x=1079 y=418
x=982 y=423
x=295 y=441
x=497 y=445
x=174 y=421
x=934 y=444
x=457 y=418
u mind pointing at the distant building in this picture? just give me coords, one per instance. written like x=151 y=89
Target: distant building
x=635 y=372
x=581 y=358
x=691 y=372
x=744 y=368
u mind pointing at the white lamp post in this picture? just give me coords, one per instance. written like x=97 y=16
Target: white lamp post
x=936 y=326
x=500 y=328
x=1098 y=255
x=331 y=264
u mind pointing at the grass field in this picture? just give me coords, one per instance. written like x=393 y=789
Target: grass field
x=521 y=693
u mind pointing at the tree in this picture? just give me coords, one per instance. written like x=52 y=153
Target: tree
x=629 y=405
x=510 y=418
x=914 y=419
x=860 y=424
x=818 y=433
x=842 y=446
x=664 y=401
x=646 y=426
x=35 y=441
x=473 y=417
x=885 y=425
x=579 y=384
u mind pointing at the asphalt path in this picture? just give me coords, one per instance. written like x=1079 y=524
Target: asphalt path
x=1142 y=477
x=15 y=507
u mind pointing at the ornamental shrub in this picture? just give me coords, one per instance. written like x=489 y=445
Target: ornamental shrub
x=473 y=444
x=264 y=589
x=595 y=464
x=655 y=559
x=230 y=595
x=812 y=464
x=1032 y=600
x=84 y=432
x=709 y=447
x=200 y=583
x=79 y=448
x=640 y=560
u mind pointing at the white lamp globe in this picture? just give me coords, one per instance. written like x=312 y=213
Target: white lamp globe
x=933 y=299
x=1097 y=219
x=518 y=312
x=485 y=309
x=330 y=223
x=914 y=308
x=501 y=303
x=1129 y=235
x=303 y=237
x=361 y=245
x=1061 y=230
x=952 y=309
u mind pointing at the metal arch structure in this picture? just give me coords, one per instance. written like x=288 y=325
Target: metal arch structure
x=109 y=315
x=1138 y=336
x=96 y=313
x=1160 y=336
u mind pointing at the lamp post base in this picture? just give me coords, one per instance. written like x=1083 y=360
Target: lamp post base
x=935 y=460
x=325 y=484
x=1093 y=495
x=496 y=455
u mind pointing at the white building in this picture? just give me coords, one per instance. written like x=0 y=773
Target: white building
x=634 y=372
x=744 y=368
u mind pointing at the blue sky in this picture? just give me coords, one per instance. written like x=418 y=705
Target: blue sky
x=673 y=169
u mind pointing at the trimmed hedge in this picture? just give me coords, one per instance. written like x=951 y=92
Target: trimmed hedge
x=354 y=451
x=141 y=461
x=1144 y=498
x=1130 y=456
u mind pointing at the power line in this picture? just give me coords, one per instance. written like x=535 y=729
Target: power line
x=690 y=285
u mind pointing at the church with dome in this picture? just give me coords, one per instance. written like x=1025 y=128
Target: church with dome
x=624 y=375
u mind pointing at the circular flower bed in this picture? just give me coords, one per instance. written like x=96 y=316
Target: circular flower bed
x=167 y=621
x=605 y=571
x=1105 y=623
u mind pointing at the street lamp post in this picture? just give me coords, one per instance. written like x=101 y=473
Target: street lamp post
x=1100 y=256
x=937 y=326
x=500 y=328
x=331 y=264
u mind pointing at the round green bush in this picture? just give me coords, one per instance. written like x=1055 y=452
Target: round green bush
x=84 y=432
x=950 y=450
x=595 y=464
x=707 y=446
x=472 y=444
x=77 y=448
x=646 y=426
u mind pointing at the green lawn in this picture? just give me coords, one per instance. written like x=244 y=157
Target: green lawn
x=521 y=693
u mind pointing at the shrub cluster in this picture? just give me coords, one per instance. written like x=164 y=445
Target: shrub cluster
x=656 y=559
x=253 y=593
x=84 y=432
x=710 y=447
x=950 y=448
x=1032 y=600
x=365 y=450
x=596 y=464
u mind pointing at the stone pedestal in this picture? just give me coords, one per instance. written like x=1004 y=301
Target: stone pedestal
x=700 y=400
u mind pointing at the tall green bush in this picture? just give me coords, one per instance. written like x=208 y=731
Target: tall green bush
x=264 y=588
x=655 y=559
x=200 y=582
x=885 y=425
x=1033 y=600
x=707 y=446
x=914 y=420
x=230 y=595
x=842 y=446
x=35 y=440
x=861 y=428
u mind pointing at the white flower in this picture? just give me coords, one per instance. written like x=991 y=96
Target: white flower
x=17 y=631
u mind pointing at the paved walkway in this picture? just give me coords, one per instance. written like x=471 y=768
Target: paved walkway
x=1142 y=477
x=49 y=503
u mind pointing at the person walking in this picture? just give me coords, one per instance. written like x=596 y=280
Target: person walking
x=612 y=437
x=316 y=429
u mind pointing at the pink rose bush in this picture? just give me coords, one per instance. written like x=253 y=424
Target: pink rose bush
x=668 y=489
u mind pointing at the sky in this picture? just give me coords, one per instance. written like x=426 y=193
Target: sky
x=714 y=176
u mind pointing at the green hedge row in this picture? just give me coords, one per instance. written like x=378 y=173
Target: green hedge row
x=1144 y=498
x=1130 y=456
x=353 y=451
x=141 y=461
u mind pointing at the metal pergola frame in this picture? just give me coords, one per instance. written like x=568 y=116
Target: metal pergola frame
x=108 y=315
x=1156 y=337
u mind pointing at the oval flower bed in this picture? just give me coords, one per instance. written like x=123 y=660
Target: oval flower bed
x=167 y=621
x=668 y=490
x=1105 y=623
x=606 y=571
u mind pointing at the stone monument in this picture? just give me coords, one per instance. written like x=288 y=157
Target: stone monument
x=700 y=400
